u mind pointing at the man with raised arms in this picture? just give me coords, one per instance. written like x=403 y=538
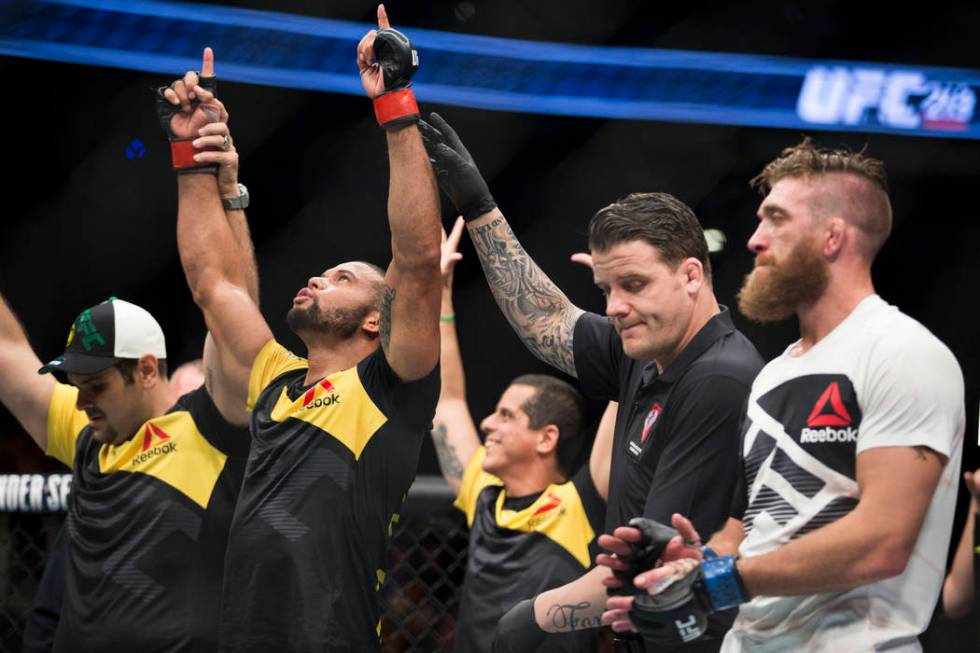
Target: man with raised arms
x=335 y=436
x=533 y=517
x=155 y=477
x=156 y=470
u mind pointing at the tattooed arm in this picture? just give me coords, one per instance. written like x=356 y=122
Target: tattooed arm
x=539 y=312
x=453 y=434
x=575 y=606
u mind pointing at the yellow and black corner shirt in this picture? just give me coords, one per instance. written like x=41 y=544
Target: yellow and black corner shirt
x=329 y=467
x=520 y=547
x=147 y=527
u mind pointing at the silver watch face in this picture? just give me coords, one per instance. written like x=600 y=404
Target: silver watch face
x=236 y=203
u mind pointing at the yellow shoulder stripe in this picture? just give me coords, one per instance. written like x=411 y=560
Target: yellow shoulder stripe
x=559 y=515
x=65 y=422
x=339 y=405
x=169 y=448
x=272 y=360
x=474 y=480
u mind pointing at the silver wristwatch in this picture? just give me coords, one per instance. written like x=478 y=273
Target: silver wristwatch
x=236 y=203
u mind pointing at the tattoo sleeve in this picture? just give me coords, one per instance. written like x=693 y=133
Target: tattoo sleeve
x=450 y=464
x=538 y=311
x=385 y=327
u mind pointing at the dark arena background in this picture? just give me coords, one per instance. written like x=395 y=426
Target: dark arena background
x=90 y=201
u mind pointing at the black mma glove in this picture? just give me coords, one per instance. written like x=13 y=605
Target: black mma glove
x=643 y=554
x=398 y=60
x=458 y=176
x=679 y=613
x=182 y=150
x=518 y=631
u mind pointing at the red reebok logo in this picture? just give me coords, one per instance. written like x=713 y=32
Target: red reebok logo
x=311 y=393
x=151 y=430
x=554 y=502
x=830 y=400
x=650 y=420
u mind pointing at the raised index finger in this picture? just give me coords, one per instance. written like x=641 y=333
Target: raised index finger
x=207 y=63
x=455 y=234
x=383 y=18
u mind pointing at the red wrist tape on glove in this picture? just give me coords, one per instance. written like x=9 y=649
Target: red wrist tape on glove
x=182 y=153
x=396 y=107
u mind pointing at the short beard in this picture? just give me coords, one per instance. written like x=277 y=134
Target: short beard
x=341 y=323
x=802 y=279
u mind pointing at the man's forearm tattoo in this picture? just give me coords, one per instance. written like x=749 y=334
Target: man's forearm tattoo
x=538 y=311
x=568 y=617
x=449 y=462
x=384 y=329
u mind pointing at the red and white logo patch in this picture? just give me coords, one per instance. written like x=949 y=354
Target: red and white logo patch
x=650 y=420
x=151 y=431
x=829 y=409
x=553 y=502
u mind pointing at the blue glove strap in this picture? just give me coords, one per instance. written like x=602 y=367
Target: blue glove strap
x=723 y=583
x=708 y=552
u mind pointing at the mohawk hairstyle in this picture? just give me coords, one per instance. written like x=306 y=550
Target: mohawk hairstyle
x=806 y=159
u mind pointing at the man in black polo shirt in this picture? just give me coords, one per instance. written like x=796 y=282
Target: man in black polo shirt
x=665 y=350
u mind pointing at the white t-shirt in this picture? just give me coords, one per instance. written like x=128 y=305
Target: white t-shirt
x=880 y=379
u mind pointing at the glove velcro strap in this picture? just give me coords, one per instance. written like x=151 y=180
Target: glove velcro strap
x=723 y=582
x=182 y=153
x=396 y=108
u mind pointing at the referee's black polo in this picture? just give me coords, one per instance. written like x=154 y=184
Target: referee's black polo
x=676 y=445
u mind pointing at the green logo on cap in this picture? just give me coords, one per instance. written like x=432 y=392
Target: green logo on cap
x=85 y=327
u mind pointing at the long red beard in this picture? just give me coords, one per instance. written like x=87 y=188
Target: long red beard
x=773 y=291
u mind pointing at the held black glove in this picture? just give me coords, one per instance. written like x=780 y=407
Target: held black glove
x=518 y=631
x=679 y=613
x=456 y=172
x=644 y=554
x=181 y=149
x=398 y=60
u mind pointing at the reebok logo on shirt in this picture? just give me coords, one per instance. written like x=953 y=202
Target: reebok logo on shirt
x=545 y=511
x=829 y=411
x=829 y=435
x=311 y=401
x=149 y=450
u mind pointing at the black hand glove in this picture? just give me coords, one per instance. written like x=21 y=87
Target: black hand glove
x=644 y=554
x=458 y=176
x=518 y=631
x=397 y=57
x=679 y=613
x=181 y=150
x=166 y=111
x=398 y=60
x=676 y=615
